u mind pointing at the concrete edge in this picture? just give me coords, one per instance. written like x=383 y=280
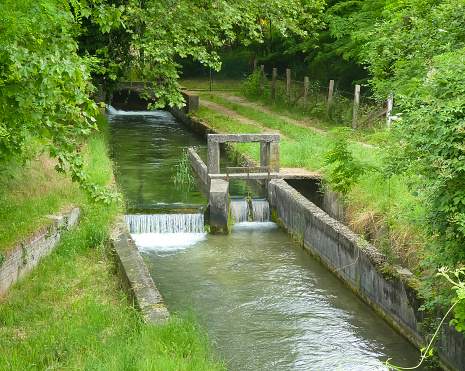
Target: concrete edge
x=26 y=255
x=362 y=269
x=135 y=277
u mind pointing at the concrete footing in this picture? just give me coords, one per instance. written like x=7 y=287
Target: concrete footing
x=219 y=206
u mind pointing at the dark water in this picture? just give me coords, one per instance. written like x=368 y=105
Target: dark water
x=266 y=304
x=146 y=159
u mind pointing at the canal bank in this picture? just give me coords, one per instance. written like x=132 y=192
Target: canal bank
x=389 y=291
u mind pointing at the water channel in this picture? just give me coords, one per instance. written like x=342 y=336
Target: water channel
x=264 y=301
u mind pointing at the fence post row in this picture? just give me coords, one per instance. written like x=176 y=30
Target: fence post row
x=390 y=104
x=273 y=83
x=306 y=82
x=330 y=93
x=288 y=84
x=305 y=91
x=262 y=78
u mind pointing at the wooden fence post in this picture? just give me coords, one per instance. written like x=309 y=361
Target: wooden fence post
x=305 y=91
x=273 y=83
x=330 y=93
x=390 y=104
x=262 y=78
x=288 y=84
x=356 y=105
x=253 y=62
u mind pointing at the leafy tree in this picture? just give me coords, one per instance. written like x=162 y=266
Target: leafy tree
x=53 y=51
x=44 y=84
x=166 y=30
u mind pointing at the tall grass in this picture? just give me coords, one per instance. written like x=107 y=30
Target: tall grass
x=30 y=191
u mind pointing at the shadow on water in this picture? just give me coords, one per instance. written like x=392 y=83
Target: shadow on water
x=265 y=302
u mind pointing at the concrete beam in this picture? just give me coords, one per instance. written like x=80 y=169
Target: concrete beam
x=245 y=176
x=243 y=138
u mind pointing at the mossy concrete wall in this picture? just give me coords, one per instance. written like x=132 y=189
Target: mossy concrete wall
x=389 y=291
x=135 y=277
x=26 y=255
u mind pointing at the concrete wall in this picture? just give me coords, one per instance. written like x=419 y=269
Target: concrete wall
x=25 y=256
x=135 y=277
x=361 y=267
x=392 y=295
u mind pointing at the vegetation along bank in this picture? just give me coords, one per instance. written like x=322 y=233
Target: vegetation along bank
x=405 y=193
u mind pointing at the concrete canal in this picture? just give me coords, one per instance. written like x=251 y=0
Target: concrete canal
x=264 y=301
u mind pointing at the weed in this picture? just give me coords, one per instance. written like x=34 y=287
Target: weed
x=182 y=172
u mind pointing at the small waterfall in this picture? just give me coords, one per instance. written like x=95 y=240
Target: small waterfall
x=239 y=209
x=260 y=210
x=165 y=223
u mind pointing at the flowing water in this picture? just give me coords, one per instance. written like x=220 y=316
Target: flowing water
x=265 y=302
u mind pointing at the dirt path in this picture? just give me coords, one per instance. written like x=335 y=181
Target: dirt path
x=235 y=99
x=228 y=112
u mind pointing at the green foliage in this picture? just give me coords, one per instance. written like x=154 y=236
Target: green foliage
x=430 y=148
x=458 y=285
x=340 y=111
x=402 y=48
x=217 y=24
x=345 y=170
x=44 y=85
x=251 y=86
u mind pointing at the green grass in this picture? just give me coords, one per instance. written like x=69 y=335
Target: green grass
x=224 y=123
x=70 y=314
x=35 y=190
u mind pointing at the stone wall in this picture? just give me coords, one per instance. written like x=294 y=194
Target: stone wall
x=25 y=256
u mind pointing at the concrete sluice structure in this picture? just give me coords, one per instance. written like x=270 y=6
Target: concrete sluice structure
x=357 y=263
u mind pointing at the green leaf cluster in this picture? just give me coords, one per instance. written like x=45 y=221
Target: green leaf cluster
x=345 y=169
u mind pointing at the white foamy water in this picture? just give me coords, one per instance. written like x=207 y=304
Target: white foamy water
x=147 y=242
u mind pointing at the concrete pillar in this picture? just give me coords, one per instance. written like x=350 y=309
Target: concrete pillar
x=274 y=157
x=213 y=156
x=219 y=206
x=264 y=153
x=269 y=155
x=192 y=102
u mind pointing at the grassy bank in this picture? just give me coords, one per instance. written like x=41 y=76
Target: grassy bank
x=70 y=312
